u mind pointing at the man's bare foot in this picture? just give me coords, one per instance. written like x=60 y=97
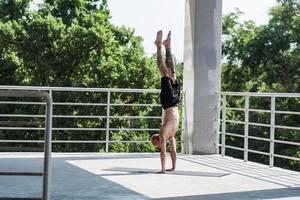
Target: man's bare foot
x=167 y=42
x=158 y=39
x=161 y=172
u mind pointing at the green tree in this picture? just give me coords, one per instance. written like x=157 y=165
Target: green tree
x=73 y=43
x=265 y=59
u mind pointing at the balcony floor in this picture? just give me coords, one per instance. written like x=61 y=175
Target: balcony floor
x=89 y=176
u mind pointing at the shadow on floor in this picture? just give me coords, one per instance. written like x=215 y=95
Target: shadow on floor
x=68 y=181
x=247 y=195
x=277 y=176
x=138 y=171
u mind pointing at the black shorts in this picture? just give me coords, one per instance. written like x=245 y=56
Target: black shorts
x=170 y=93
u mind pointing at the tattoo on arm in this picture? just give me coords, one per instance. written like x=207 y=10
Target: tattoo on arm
x=169 y=60
x=159 y=57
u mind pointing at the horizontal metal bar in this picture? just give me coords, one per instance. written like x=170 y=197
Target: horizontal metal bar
x=259 y=94
x=142 y=105
x=80 y=141
x=287 y=157
x=100 y=141
x=235 y=122
x=236 y=148
x=54 y=141
x=258 y=152
x=72 y=141
x=287 y=127
x=243 y=109
x=21 y=115
x=287 y=142
x=110 y=129
x=287 y=112
x=21 y=128
x=134 y=129
x=23 y=103
x=80 y=89
x=234 y=135
x=263 y=110
x=104 y=117
x=103 y=104
x=138 y=117
x=83 y=129
x=78 y=129
x=237 y=109
x=129 y=141
x=260 y=110
x=80 y=116
x=54 y=129
x=22 y=141
x=78 y=104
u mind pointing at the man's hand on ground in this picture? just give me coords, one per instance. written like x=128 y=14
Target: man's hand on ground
x=170 y=170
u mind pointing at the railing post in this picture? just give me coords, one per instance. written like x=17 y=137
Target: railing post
x=182 y=126
x=47 y=136
x=47 y=148
x=223 y=124
x=246 y=128
x=272 y=131
x=107 y=121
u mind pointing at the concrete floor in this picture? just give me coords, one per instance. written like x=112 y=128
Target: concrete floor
x=89 y=176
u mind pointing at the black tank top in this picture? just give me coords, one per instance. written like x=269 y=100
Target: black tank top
x=170 y=93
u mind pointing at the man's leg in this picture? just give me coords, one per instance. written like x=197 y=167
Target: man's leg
x=169 y=58
x=160 y=63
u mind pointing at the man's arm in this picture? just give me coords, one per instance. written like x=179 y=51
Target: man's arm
x=163 y=153
x=173 y=153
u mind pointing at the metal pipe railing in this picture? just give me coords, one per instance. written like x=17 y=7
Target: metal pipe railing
x=48 y=132
x=77 y=89
x=246 y=123
x=106 y=104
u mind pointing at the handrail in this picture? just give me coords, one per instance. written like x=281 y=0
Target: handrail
x=246 y=123
x=106 y=103
x=7 y=92
x=258 y=94
x=41 y=88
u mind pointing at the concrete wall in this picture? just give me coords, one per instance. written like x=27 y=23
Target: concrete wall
x=202 y=55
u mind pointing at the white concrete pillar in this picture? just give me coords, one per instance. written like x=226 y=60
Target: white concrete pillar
x=202 y=74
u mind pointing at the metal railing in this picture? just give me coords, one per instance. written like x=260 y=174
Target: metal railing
x=107 y=104
x=48 y=133
x=272 y=126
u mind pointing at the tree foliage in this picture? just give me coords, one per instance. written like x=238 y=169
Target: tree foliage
x=72 y=43
x=265 y=58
